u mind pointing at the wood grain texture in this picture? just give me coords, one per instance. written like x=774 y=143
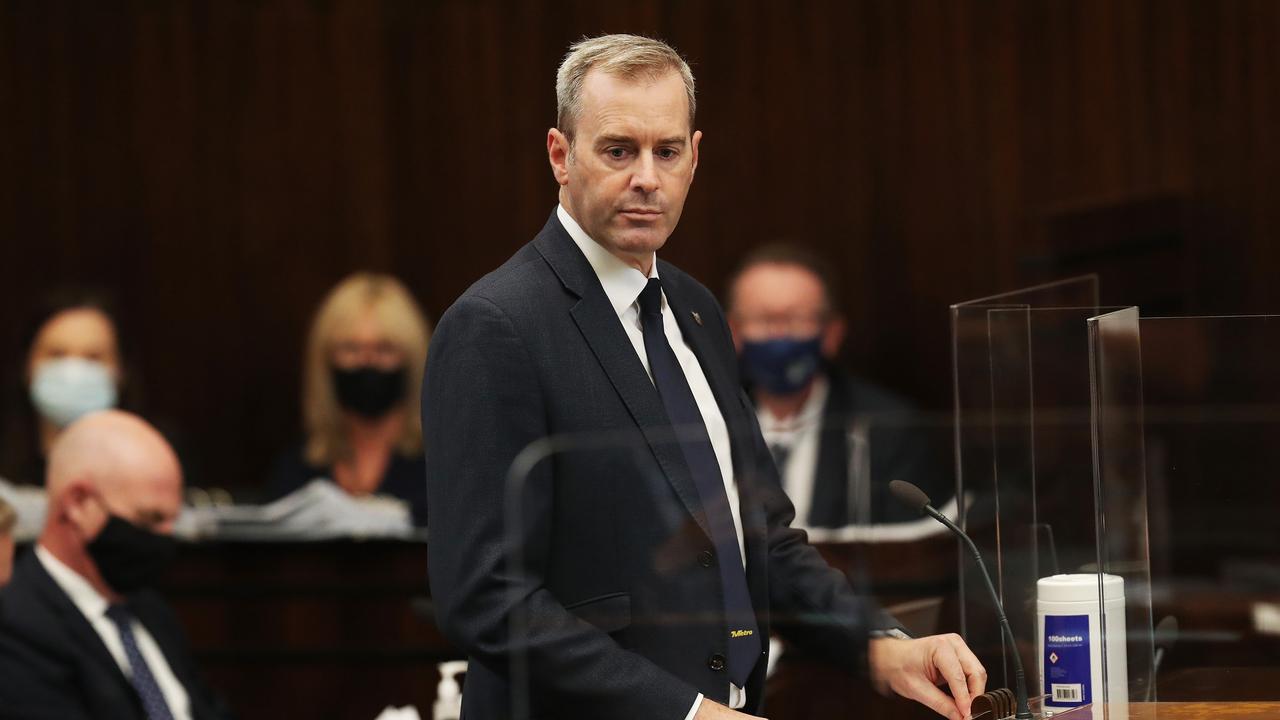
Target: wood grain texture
x=1179 y=711
x=219 y=165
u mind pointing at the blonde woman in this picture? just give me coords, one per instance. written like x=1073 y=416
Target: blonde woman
x=362 y=377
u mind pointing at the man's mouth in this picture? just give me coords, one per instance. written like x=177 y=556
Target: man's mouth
x=641 y=213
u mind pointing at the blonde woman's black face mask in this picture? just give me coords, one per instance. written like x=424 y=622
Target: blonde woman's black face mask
x=369 y=391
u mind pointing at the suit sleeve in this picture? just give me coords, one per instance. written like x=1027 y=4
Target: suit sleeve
x=31 y=689
x=482 y=406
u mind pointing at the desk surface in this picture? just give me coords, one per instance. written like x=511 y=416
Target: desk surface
x=1181 y=711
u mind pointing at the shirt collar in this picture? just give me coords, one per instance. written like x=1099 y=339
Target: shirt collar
x=809 y=416
x=622 y=283
x=83 y=595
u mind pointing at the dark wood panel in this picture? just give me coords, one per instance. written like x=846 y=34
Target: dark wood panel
x=220 y=164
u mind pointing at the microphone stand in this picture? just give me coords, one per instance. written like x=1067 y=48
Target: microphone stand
x=1023 y=711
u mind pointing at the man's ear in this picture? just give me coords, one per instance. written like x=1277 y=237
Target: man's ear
x=833 y=337
x=558 y=155
x=697 y=140
x=74 y=505
x=81 y=509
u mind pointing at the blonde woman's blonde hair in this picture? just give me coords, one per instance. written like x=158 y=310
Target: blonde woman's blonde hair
x=404 y=324
x=8 y=518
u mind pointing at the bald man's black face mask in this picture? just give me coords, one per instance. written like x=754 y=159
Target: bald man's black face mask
x=129 y=557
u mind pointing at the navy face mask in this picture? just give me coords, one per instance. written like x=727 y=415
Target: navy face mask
x=782 y=366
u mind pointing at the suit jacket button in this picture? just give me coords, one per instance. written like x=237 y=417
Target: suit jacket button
x=706 y=558
x=716 y=662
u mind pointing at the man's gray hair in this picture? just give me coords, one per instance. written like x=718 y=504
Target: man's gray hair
x=630 y=57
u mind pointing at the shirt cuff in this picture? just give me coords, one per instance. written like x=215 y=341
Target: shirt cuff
x=895 y=633
x=694 y=710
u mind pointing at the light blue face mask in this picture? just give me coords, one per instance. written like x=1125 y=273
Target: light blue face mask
x=65 y=389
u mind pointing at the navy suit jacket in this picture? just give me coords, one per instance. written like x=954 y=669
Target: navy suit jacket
x=54 y=665
x=582 y=583
x=901 y=447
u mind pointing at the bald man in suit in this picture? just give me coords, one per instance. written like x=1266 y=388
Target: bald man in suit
x=81 y=635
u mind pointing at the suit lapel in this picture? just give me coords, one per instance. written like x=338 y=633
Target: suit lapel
x=65 y=616
x=599 y=325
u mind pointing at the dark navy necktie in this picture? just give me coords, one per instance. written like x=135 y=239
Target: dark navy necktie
x=142 y=678
x=682 y=410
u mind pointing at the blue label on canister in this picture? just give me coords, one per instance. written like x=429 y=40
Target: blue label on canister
x=1066 y=660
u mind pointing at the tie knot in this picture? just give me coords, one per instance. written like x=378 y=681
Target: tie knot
x=119 y=614
x=651 y=298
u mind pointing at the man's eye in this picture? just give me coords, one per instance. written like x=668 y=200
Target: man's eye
x=667 y=153
x=616 y=153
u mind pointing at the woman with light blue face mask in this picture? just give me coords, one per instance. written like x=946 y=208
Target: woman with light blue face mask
x=73 y=368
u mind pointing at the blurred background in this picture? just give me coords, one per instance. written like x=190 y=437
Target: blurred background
x=217 y=166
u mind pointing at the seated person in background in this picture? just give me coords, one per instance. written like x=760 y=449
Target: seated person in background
x=8 y=519
x=80 y=634
x=73 y=367
x=818 y=420
x=361 y=383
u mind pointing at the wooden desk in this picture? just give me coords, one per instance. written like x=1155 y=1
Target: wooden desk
x=1179 y=711
x=338 y=630
x=325 y=630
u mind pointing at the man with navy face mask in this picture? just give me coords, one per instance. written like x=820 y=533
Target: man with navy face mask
x=838 y=441
x=81 y=634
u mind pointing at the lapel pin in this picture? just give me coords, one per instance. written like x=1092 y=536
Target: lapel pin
x=696 y=317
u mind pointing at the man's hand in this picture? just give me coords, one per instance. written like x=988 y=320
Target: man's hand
x=914 y=669
x=709 y=710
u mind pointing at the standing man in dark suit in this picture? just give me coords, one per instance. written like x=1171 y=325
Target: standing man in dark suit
x=644 y=572
x=838 y=440
x=80 y=635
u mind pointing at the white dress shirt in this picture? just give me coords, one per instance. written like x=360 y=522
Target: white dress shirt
x=800 y=435
x=93 y=606
x=622 y=285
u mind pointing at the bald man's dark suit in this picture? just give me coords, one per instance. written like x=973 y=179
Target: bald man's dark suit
x=618 y=593
x=54 y=666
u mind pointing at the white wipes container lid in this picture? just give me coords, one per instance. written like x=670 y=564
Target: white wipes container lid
x=1079 y=587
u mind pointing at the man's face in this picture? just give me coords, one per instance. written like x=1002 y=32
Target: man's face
x=144 y=490
x=632 y=160
x=775 y=300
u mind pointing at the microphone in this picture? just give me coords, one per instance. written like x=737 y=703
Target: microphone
x=914 y=497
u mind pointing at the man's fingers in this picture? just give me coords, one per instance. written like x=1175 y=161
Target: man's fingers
x=973 y=669
x=948 y=665
x=922 y=691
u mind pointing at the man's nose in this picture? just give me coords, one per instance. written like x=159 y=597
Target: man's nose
x=645 y=178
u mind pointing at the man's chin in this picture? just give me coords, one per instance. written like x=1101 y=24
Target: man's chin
x=644 y=242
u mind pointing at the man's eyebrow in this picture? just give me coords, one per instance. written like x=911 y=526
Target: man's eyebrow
x=615 y=140
x=678 y=141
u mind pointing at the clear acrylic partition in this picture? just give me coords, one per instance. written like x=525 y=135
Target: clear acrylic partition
x=1120 y=505
x=1023 y=450
x=1022 y=454
x=1211 y=403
